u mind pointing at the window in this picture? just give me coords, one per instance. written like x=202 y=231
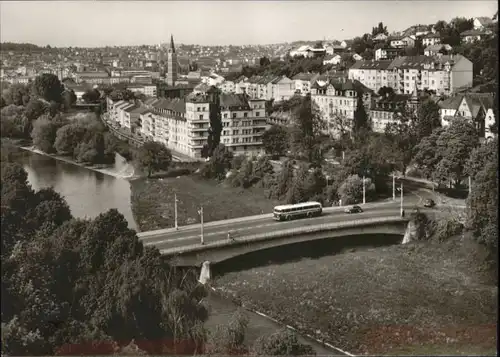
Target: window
x=198 y=108
x=225 y=115
x=245 y=115
x=234 y=115
x=236 y=132
x=201 y=116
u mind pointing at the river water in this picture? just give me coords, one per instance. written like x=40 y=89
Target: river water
x=89 y=193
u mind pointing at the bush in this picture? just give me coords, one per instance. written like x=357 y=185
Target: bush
x=447 y=228
x=281 y=343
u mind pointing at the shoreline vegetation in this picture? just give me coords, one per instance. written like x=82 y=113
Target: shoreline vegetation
x=101 y=168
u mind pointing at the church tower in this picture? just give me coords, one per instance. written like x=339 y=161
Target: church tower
x=171 y=63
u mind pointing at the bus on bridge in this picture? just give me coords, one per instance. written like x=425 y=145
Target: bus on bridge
x=298 y=210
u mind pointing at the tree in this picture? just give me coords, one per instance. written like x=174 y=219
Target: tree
x=44 y=134
x=219 y=163
x=275 y=140
x=17 y=94
x=360 y=122
x=35 y=109
x=68 y=99
x=229 y=339
x=281 y=343
x=351 y=191
x=428 y=119
x=91 y=96
x=480 y=156
x=482 y=206
x=402 y=134
x=454 y=146
x=379 y=29
x=14 y=122
x=308 y=126
x=296 y=192
x=264 y=61
x=386 y=92
x=426 y=155
x=48 y=87
x=284 y=180
x=153 y=156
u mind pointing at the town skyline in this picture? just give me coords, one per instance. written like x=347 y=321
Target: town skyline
x=120 y=23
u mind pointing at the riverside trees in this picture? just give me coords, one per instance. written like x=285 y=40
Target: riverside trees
x=54 y=270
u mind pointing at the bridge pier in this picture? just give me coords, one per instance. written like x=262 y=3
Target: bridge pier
x=205 y=274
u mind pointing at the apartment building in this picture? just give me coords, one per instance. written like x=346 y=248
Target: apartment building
x=243 y=123
x=303 y=82
x=339 y=99
x=444 y=74
x=280 y=89
x=182 y=124
x=435 y=50
x=471 y=36
x=92 y=77
x=385 y=111
x=476 y=107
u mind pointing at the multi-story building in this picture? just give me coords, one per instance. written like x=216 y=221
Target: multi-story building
x=385 y=110
x=280 y=88
x=303 y=82
x=476 y=107
x=444 y=74
x=431 y=39
x=388 y=53
x=337 y=100
x=92 y=77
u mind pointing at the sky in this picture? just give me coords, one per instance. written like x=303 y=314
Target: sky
x=97 y=23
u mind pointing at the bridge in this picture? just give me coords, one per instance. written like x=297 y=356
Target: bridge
x=262 y=232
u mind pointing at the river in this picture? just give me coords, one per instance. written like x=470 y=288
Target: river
x=90 y=193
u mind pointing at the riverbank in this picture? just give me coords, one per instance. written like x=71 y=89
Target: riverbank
x=127 y=174
x=153 y=201
x=422 y=297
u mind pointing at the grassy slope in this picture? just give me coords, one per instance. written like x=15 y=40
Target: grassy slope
x=153 y=208
x=399 y=299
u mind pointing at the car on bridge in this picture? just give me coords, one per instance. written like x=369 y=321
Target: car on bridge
x=429 y=203
x=353 y=209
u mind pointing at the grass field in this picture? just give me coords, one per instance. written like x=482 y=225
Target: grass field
x=411 y=299
x=153 y=201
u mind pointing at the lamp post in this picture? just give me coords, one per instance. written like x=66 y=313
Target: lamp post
x=364 y=191
x=402 y=211
x=470 y=185
x=393 y=187
x=200 y=212
x=175 y=211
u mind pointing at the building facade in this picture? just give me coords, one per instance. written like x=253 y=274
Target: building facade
x=444 y=74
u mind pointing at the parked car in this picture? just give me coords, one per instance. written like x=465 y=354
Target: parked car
x=429 y=203
x=353 y=209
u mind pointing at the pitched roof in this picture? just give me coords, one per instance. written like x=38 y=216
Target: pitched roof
x=177 y=105
x=234 y=101
x=451 y=103
x=304 y=76
x=365 y=64
x=484 y=20
x=475 y=33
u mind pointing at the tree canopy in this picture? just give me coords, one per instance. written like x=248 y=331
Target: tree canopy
x=153 y=156
x=48 y=87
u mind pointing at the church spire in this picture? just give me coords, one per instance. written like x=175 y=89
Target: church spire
x=172 y=47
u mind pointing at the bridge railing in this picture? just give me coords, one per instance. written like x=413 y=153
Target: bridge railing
x=283 y=233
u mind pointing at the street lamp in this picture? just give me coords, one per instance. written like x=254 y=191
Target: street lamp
x=364 y=191
x=175 y=212
x=200 y=212
x=393 y=187
x=402 y=211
